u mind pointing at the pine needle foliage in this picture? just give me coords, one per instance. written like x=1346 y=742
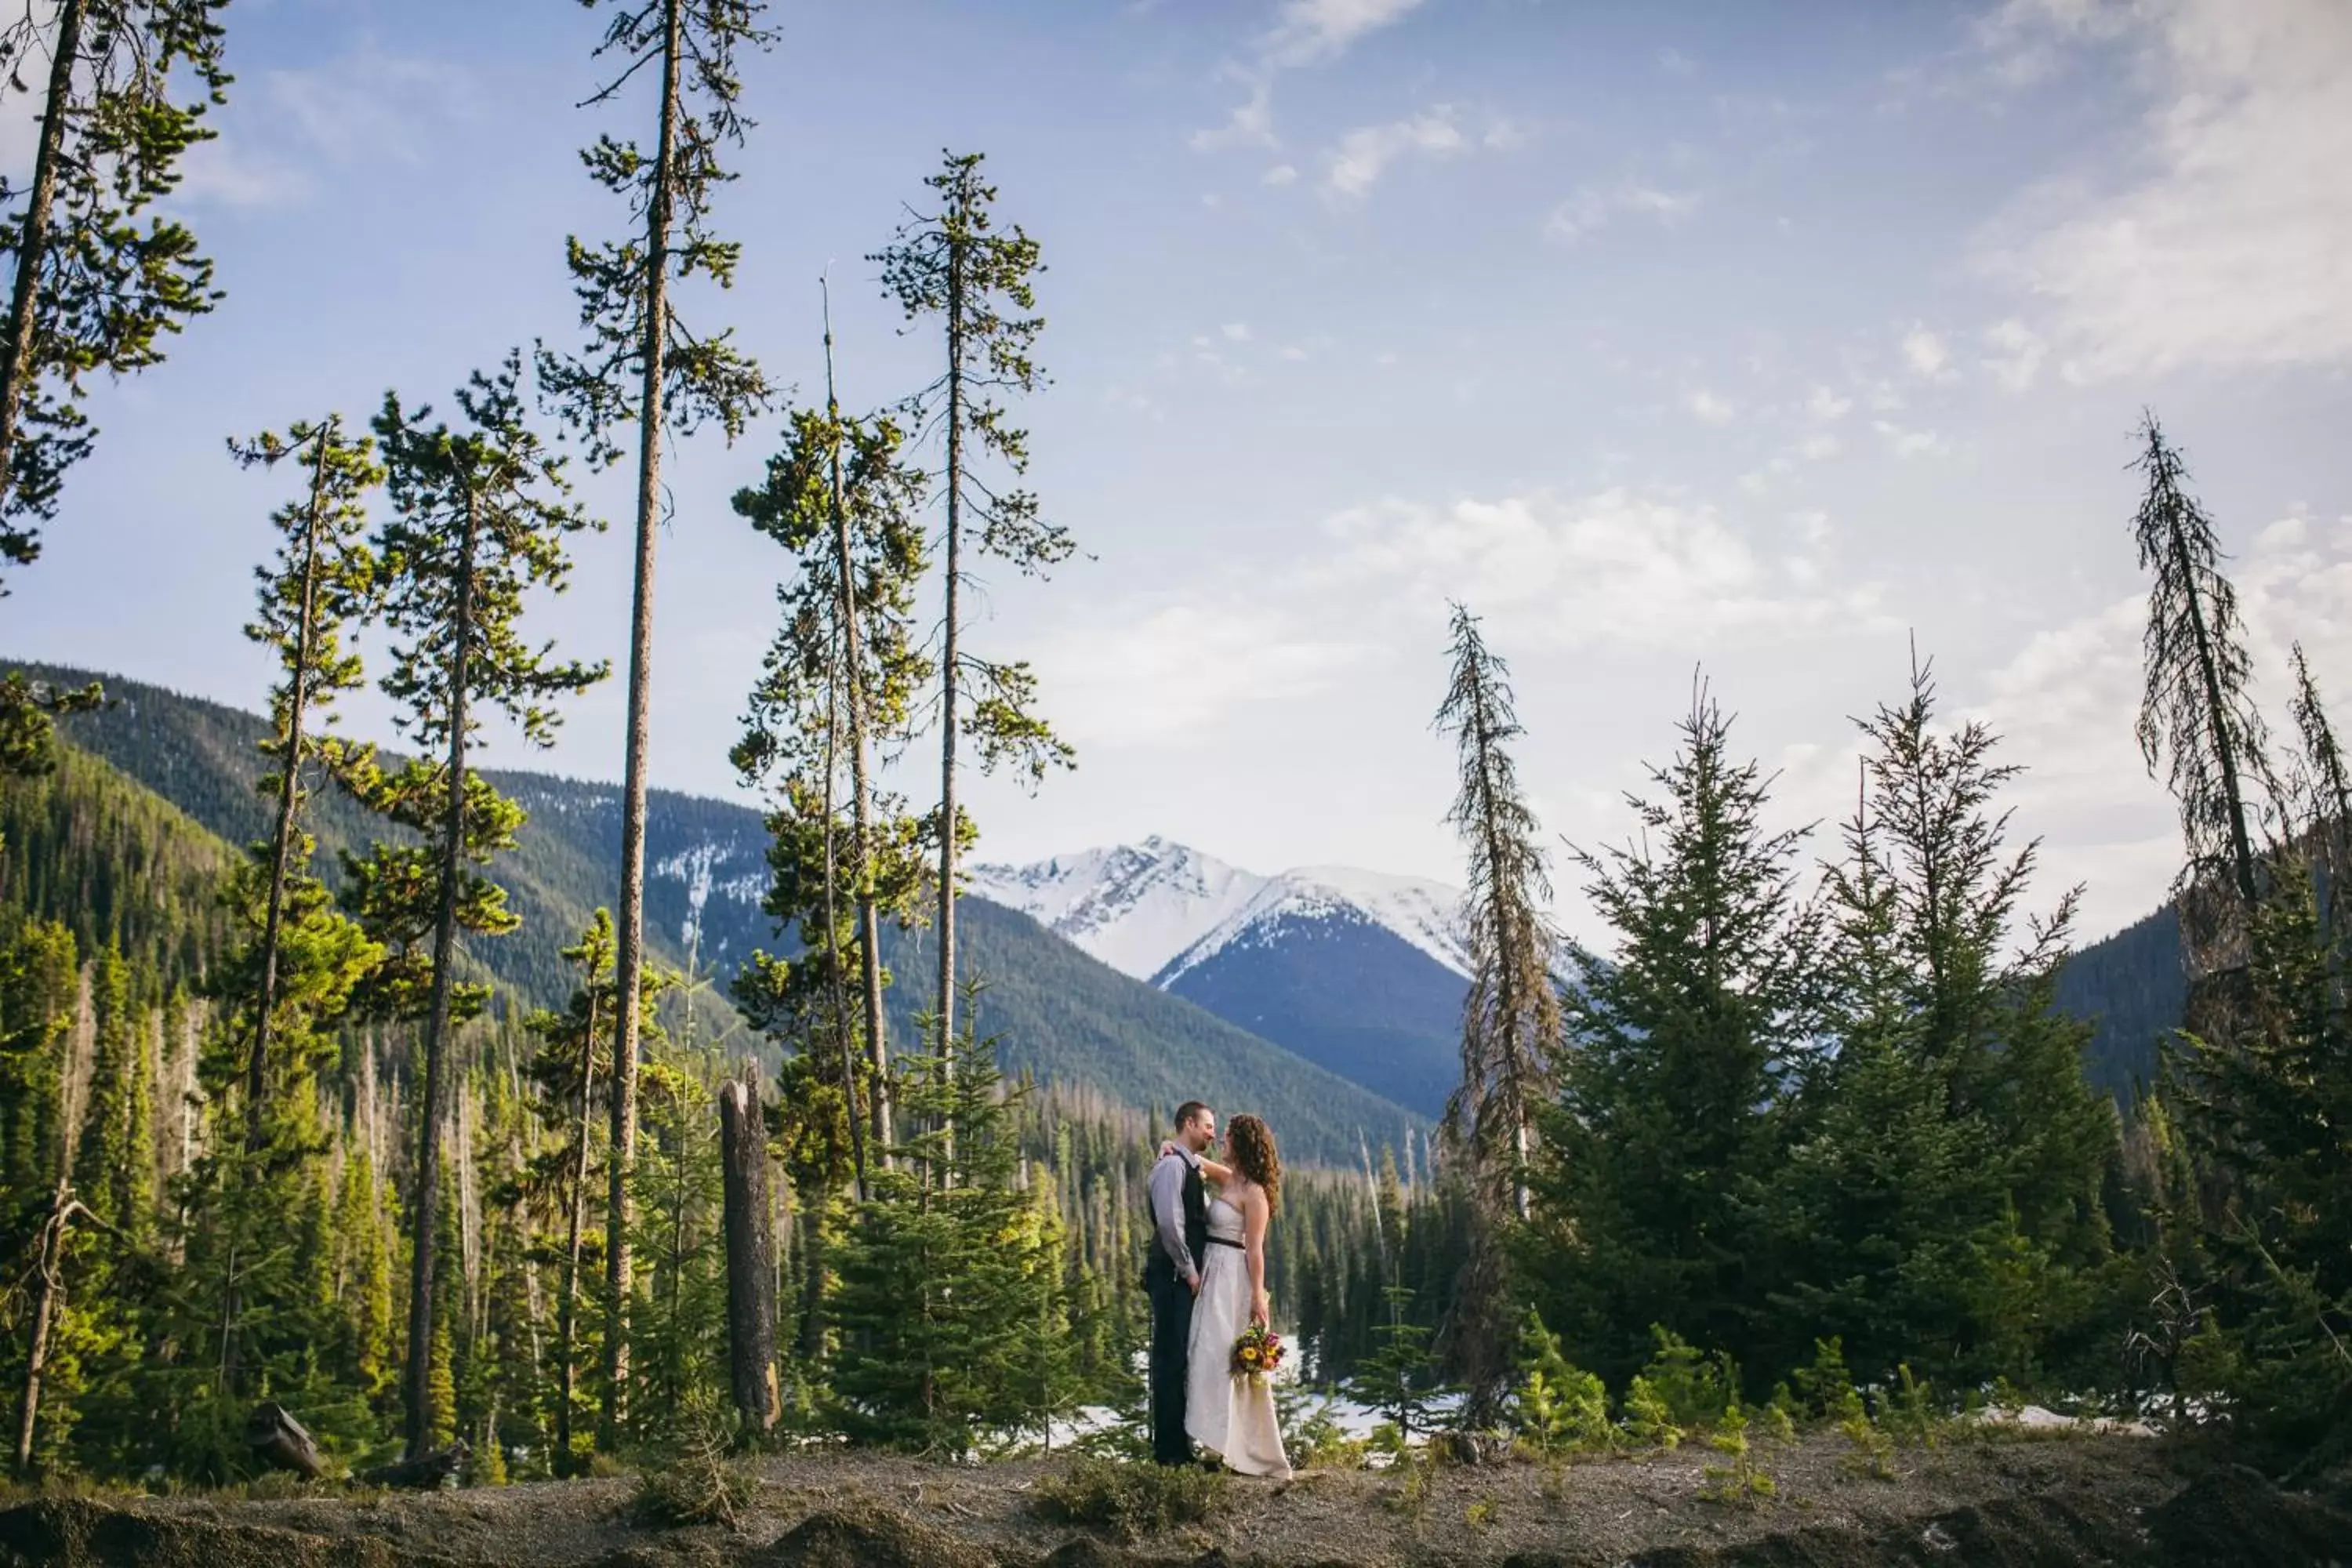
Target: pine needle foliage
x=1511 y=1016
x=1670 y=1120
x=954 y=265
x=479 y=520
x=125 y=87
x=2196 y=715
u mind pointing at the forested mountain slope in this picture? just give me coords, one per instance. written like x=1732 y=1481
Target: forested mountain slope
x=1063 y=1016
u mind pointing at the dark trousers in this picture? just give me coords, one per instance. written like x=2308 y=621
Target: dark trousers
x=1171 y=1332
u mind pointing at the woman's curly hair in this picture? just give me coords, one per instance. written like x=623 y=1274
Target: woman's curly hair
x=1251 y=1143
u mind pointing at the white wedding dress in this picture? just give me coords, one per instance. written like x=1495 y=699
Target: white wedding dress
x=1232 y=1417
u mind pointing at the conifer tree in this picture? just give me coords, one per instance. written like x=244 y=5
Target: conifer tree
x=565 y=1072
x=1511 y=1017
x=643 y=367
x=954 y=265
x=948 y=1277
x=479 y=519
x=2266 y=1104
x=125 y=87
x=322 y=572
x=1668 y=1115
x=1949 y=1153
x=841 y=677
x=2196 y=713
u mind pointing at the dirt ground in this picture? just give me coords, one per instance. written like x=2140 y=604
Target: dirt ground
x=2077 y=1500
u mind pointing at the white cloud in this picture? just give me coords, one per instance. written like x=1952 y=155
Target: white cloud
x=1825 y=405
x=1926 y=353
x=2017 y=356
x=1153 y=672
x=1708 y=408
x=1305 y=33
x=1818 y=446
x=2230 y=246
x=1366 y=152
x=1673 y=62
x=1911 y=443
x=1593 y=207
x=1235 y=332
x=365 y=105
x=1613 y=567
x=1280 y=174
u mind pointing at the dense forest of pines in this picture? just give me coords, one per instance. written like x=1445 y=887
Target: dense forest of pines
x=292 y=1172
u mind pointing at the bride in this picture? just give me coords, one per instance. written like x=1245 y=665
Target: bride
x=1232 y=1416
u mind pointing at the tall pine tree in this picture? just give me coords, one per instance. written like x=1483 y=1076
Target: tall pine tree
x=643 y=367
x=480 y=517
x=952 y=264
x=1511 y=1017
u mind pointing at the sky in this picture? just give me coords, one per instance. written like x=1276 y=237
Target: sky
x=1677 y=340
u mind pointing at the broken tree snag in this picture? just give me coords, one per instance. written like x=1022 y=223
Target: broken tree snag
x=440 y=1468
x=750 y=1253
x=275 y=1436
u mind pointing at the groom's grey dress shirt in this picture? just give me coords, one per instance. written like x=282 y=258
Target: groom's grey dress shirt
x=1166 y=1188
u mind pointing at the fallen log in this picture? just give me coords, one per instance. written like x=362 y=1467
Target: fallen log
x=275 y=1436
x=438 y=1468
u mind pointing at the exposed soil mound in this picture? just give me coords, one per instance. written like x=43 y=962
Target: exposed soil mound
x=2076 y=1503
x=2234 y=1516
x=871 y=1537
x=75 y=1532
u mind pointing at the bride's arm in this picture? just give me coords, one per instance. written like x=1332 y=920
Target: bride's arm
x=1255 y=1214
x=1218 y=1174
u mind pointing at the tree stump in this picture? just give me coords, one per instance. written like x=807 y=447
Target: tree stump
x=750 y=1253
x=275 y=1436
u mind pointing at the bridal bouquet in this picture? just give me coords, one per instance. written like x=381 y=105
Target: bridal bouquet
x=1258 y=1353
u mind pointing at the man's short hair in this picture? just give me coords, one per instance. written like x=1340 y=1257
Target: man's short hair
x=1186 y=1112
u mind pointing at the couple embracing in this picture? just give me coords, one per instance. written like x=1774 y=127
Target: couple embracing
x=1207 y=1282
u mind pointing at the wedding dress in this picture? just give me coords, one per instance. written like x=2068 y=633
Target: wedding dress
x=1231 y=1416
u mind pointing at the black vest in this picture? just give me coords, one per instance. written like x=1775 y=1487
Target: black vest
x=1195 y=1199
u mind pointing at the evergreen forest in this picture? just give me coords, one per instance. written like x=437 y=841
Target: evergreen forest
x=380 y=1107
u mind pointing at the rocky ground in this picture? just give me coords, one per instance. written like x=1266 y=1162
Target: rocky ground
x=2073 y=1500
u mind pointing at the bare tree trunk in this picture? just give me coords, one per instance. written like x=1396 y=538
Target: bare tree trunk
x=750 y=1253
x=868 y=925
x=567 y=1329
x=45 y=1306
x=950 y=652
x=16 y=354
x=417 y=1377
x=629 y=946
x=289 y=803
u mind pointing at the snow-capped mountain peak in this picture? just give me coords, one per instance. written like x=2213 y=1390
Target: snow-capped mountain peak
x=1157 y=909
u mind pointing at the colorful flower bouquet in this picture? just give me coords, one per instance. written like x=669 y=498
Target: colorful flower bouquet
x=1258 y=1353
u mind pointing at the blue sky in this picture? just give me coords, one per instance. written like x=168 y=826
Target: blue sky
x=1666 y=335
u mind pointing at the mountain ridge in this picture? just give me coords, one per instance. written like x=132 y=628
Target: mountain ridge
x=1065 y=1017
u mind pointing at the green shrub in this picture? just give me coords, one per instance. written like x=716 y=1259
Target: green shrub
x=1648 y=1423
x=1130 y=1502
x=1312 y=1436
x=1825 y=1389
x=1559 y=1409
x=701 y=1481
x=1741 y=1483
x=1695 y=1387
x=1911 y=1415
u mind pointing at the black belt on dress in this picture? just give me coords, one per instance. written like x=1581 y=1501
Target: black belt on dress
x=1221 y=1241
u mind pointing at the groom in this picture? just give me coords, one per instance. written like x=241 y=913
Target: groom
x=1180 y=1223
